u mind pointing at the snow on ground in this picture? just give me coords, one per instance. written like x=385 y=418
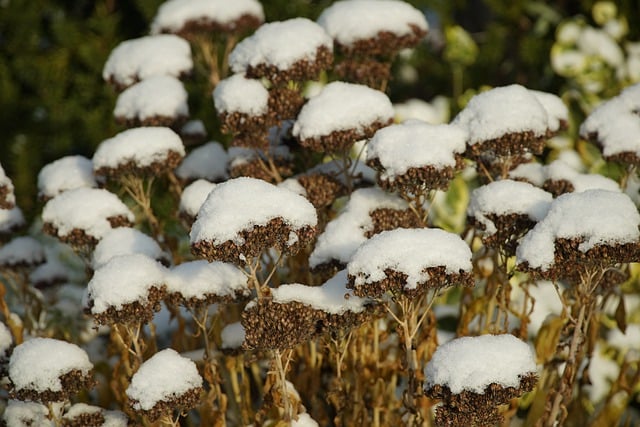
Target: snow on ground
x=342 y=106
x=163 y=377
x=241 y=203
x=597 y=217
x=199 y=279
x=208 y=161
x=125 y=241
x=409 y=251
x=502 y=110
x=473 y=363
x=238 y=94
x=350 y=21
x=157 y=96
x=86 y=209
x=345 y=233
x=65 y=174
x=144 y=57
x=280 y=44
x=143 y=146
x=506 y=197
x=38 y=364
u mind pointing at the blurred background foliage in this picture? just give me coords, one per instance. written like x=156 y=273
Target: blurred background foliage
x=53 y=101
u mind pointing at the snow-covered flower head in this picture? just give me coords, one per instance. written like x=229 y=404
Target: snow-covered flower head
x=24 y=251
x=65 y=174
x=245 y=216
x=48 y=370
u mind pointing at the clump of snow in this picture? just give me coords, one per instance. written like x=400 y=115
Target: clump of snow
x=174 y=15
x=11 y=219
x=342 y=106
x=65 y=174
x=86 y=209
x=123 y=280
x=409 y=251
x=26 y=414
x=79 y=409
x=241 y=203
x=238 y=94
x=158 y=96
x=473 y=363
x=414 y=144
x=209 y=161
x=506 y=197
x=194 y=195
x=304 y=420
x=23 y=250
x=280 y=44
x=193 y=128
x=351 y=21
x=143 y=146
x=38 y=364
x=615 y=125
x=139 y=59
x=199 y=279
x=125 y=241
x=345 y=233
x=560 y=170
x=332 y=297
x=557 y=111
x=6 y=340
x=435 y=112
x=596 y=217
x=502 y=110
x=232 y=335
x=593 y=41
x=164 y=377
x=51 y=272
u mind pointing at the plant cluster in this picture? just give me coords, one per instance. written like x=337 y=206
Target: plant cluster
x=336 y=263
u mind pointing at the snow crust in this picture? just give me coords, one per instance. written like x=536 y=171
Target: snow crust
x=345 y=233
x=557 y=111
x=239 y=204
x=198 y=279
x=123 y=280
x=342 y=106
x=65 y=174
x=165 y=376
x=502 y=110
x=507 y=197
x=38 y=364
x=209 y=161
x=280 y=44
x=24 y=249
x=163 y=96
x=473 y=363
x=332 y=296
x=597 y=217
x=86 y=209
x=125 y=241
x=414 y=144
x=232 y=335
x=194 y=195
x=10 y=219
x=350 y=21
x=238 y=94
x=144 y=57
x=142 y=145
x=173 y=15
x=409 y=251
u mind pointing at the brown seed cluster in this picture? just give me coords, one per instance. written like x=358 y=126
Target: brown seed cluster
x=78 y=238
x=174 y=122
x=367 y=71
x=285 y=102
x=5 y=192
x=558 y=186
x=273 y=325
x=158 y=167
x=255 y=168
x=208 y=299
x=510 y=144
x=274 y=234
x=341 y=140
x=395 y=283
x=237 y=123
x=384 y=43
x=184 y=402
x=385 y=219
x=326 y=270
x=300 y=71
x=131 y=313
x=510 y=228
x=196 y=28
x=469 y=408
x=72 y=382
x=322 y=189
x=625 y=158
x=414 y=180
x=87 y=419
